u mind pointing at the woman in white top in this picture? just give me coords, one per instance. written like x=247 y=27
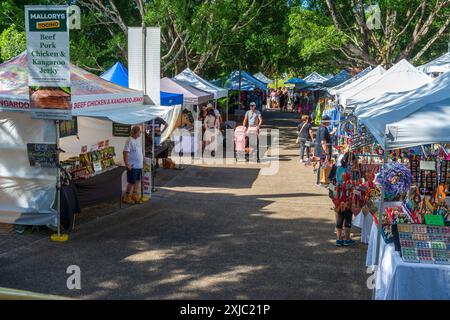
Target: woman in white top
x=211 y=125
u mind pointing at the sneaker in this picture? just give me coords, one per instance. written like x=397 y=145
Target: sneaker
x=349 y=242
x=128 y=200
x=339 y=243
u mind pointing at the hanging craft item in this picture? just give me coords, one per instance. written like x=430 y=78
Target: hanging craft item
x=395 y=179
x=414 y=165
x=379 y=150
x=348 y=127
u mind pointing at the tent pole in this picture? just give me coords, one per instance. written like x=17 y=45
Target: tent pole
x=153 y=189
x=380 y=225
x=227 y=110
x=59 y=237
x=58 y=182
x=143 y=151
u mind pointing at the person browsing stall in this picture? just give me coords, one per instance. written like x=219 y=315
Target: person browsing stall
x=253 y=117
x=305 y=137
x=134 y=161
x=322 y=144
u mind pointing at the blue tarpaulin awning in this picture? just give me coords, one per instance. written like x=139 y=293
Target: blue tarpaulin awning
x=117 y=74
x=171 y=99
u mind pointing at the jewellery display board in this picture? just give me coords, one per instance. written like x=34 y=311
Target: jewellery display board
x=424 y=243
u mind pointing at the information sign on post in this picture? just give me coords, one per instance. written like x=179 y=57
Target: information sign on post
x=48 y=62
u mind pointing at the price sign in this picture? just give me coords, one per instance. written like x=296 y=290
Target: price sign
x=42 y=155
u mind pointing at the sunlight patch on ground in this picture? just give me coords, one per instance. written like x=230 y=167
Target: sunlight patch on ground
x=150 y=255
x=212 y=282
x=108 y=285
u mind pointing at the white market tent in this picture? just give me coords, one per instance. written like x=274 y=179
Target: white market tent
x=187 y=76
x=315 y=78
x=333 y=90
x=357 y=86
x=371 y=106
x=402 y=77
x=261 y=77
x=27 y=193
x=439 y=65
x=429 y=124
x=418 y=117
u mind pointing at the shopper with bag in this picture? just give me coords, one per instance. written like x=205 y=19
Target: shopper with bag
x=304 y=138
x=323 y=149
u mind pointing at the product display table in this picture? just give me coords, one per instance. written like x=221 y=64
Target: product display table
x=398 y=280
x=364 y=222
x=104 y=187
x=372 y=248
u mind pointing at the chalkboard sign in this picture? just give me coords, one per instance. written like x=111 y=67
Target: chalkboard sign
x=121 y=130
x=42 y=155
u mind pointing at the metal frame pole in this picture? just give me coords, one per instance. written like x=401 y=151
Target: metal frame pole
x=144 y=84
x=58 y=181
x=380 y=224
x=153 y=189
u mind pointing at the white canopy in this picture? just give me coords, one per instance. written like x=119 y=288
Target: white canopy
x=402 y=77
x=333 y=90
x=371 y=106
x=358 y=85
x=135 y=115
x=433 y=95
x=430 y=124
x=439 y=65
x=315 y=78
x=261 y=77
x=190 y=78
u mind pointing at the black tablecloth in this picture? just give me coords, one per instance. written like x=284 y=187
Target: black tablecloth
x=70 y=205
x=104 y=187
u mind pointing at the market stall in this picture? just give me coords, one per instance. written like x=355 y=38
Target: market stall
x=358 y=85
x=416 y=228
x=334 y=89
x=188 y=77
x=27 y=192
x=400 y=78
x=261 y=77
x=193 y=101
x=315 y=78
x=246 y=89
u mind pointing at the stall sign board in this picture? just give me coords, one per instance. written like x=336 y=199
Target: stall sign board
x=49 y=83
x=427 y=165
x=121 y=130
x=42 y=155
x=434 y=220
x=97 y=166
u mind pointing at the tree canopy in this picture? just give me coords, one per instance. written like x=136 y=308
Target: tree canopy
x=272 y=36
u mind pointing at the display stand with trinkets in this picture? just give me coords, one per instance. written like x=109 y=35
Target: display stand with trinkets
x=424 y=244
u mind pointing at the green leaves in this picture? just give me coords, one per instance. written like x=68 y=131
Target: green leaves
x=12 y=42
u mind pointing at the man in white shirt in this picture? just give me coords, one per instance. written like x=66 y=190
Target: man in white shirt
x=253 y=117
x=134 y=161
